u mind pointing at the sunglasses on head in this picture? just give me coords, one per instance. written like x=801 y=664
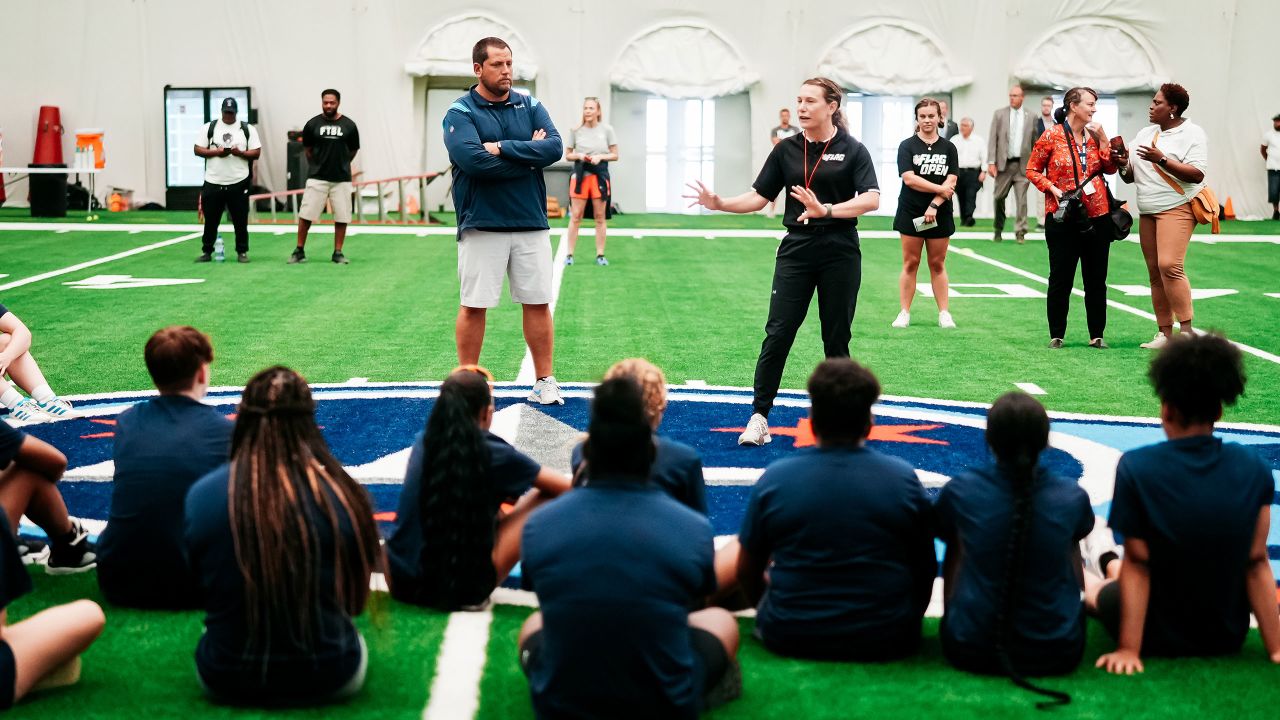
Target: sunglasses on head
x=477 y=369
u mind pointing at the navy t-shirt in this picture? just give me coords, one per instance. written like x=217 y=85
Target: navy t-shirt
x=677 y=469
x=10 y=441
x=618 y=565
x=293 y=672
x=1195 y=501
x=974 y=516
x=162 y=447
x=14 y=579
x=850 y=534
x=511 y=474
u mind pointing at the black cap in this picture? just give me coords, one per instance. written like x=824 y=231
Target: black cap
x=229 y=105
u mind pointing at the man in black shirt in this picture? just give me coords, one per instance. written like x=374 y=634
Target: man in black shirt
x=331 y=142
x=831 y=181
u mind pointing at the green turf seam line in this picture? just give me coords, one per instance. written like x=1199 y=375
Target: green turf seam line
x=99 y=261
x=969 y=253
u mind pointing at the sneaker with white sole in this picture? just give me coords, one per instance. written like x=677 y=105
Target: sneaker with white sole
x=945 y=320
x=546 y=392
x=1097 y=543
x=33 y=552
x=56 y=408
x=757 y=432
x=1157 y=342
x=25 y=410
x=903 y=319
x=74 y=557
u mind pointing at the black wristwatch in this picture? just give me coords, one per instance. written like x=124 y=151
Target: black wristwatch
x=935 y=207
x=1164 y=160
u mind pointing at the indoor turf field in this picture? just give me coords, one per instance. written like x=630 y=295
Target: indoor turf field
x=689 y=293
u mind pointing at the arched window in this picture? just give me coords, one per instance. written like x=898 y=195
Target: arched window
x=445 y=51
x=1103 y=54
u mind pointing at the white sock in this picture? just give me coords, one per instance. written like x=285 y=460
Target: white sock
x=43 y=394
x=10 y=397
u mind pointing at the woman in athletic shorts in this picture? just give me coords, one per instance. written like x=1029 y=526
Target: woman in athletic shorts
x=590 y=146
x=928 y=164
x=831 y=182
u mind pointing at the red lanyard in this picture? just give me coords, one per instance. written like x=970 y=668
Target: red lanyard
x=808 y=176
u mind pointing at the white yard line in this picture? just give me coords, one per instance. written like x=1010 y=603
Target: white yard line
x=1030 y=388
x=99 y=261
x=527 y=375
x=966 y=252
x=455 y=690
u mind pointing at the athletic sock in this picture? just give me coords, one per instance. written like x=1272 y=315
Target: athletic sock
x=43 y=394
x=10 y=397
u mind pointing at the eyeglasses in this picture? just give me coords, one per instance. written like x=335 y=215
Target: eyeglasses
x=477 y=369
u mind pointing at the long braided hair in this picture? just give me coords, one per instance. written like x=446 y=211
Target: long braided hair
x=1018 y=431
x=283 y=483
x=455 y=502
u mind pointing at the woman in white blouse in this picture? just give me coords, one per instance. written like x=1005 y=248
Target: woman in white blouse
x=1172 y=156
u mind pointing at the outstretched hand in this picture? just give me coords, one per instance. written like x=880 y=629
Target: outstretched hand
x=702 y=196
x=812 y=208
x=1120 y=662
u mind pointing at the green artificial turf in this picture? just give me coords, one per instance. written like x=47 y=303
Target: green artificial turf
x=142 y=665
x=925 y=686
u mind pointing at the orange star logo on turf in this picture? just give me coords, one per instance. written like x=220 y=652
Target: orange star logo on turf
x=803 y=435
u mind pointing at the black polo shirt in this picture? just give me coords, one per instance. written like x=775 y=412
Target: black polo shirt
x=843 y=170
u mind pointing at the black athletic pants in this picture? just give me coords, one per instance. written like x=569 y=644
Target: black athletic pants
x=235 y=200
x=967 y=187
x=1088 y=245
x=830 y=263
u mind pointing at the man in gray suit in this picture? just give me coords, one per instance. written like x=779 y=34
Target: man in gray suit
x=1008 y=148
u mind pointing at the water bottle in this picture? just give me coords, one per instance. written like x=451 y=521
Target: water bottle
x=219 y=250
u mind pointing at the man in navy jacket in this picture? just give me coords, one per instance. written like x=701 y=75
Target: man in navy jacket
x=498 y=143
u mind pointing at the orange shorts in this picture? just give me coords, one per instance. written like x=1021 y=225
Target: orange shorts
x=587 y=189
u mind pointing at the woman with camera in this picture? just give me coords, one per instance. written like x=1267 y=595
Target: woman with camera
x=1067 y=164
x=1168 y=178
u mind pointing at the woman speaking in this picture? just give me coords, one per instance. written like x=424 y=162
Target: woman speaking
x=831 y=182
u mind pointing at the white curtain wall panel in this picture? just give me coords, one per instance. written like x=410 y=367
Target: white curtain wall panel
x=892 y=57
x=446 y=49
x=1108 y=56
x=681 y=60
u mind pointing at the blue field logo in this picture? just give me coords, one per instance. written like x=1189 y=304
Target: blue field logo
x=371 y=427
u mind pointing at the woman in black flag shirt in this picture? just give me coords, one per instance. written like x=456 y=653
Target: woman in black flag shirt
x=831 y=181
x=928 y=164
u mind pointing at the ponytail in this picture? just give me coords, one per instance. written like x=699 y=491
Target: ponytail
x=1018 y=431
x=832 y=93
x=454 y=501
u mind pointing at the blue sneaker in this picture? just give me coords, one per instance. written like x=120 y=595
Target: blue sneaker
x=601 y=261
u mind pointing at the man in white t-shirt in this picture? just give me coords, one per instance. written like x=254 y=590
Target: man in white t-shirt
x=971 y=152
x=1271 y=153
x=229 y=148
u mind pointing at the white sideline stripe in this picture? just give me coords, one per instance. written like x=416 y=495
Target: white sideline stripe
x=99 y=261
x=1030 y=388
x=527 y=374
x=1111 y=303
x=455 y=690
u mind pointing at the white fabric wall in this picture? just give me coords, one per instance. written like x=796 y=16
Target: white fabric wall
x=106 y=62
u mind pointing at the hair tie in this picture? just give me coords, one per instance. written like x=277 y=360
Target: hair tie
x=297 y=409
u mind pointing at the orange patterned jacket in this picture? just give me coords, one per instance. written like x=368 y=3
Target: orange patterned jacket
x=1051 y=164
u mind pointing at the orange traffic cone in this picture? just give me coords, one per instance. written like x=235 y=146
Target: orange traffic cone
x=1228 y=211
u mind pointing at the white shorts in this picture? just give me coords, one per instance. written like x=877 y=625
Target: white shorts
x=317 y=192
x=484 y=258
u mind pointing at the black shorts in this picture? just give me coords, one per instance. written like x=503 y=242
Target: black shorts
x=8 y=675
x=891 y=644
x=1109 y=608
x=710 y=655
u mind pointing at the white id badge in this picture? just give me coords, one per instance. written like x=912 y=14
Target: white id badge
x=1089 y=189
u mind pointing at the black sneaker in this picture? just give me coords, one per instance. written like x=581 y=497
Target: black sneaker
x=205 y=257
x=1275 y=214
x=76 y=556
x=1098 y=344
x=32 y=552
x=1055 y=344
x=340 y=259
x=298 y=256
x=242 y=257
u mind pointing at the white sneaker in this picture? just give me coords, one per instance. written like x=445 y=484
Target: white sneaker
x=945 y=320
x=1099 y=541
x=546 y=392
x=27 y=409
x=1156 y=342
x=903 y=319
x=757 y=432
x=56 y=408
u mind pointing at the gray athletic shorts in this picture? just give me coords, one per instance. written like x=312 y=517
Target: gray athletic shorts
x=317 y=192
x=485 y=258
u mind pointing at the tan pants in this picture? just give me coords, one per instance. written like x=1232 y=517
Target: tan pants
x=1165 y=237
